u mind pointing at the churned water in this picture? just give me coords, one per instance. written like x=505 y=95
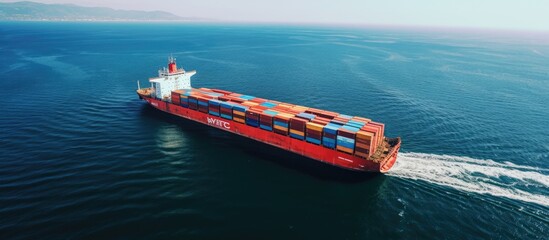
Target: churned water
x=82 y=157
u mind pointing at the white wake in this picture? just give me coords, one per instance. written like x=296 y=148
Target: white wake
x=508 y=180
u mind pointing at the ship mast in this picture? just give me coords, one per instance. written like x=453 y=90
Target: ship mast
x=172 y=66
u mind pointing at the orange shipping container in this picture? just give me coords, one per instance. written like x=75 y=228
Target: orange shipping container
x=240 y=120
x=314 y=126
x=297 y=132
x=382 y=128
x=249 y=104
x=344 y=149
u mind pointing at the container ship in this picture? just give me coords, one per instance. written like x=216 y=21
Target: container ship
x=349 y=142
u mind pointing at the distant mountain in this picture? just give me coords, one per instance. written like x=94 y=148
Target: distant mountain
x=28 y=11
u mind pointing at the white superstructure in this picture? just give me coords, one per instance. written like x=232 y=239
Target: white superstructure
x=170 y=79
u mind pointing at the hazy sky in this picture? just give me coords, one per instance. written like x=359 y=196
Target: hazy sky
x=500 y=14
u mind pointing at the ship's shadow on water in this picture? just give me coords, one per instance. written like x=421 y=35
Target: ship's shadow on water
x=260 y=151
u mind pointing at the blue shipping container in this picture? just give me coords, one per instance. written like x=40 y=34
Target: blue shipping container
x=247 y=97
x=306 y=115
x=226 y=116
x=226 y=105
x=331 y=128
x=354 y=125
x=282 y=124
x=346 y=144
x=268 y=104
x=351 y=128
x=297 y=136
x=251 y=122
x=270 y=112
x=345 y=139
x=240 y=108
x=265 y=127
x=328 y=142
x=214 y=102
x=356 y=122
x=312 y=140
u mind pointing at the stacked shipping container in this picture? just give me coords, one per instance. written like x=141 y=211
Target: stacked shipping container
x=281 y=123
x=252 y=117
x=330 y=135
x=267 y=120
x=297 y=128
x=346 y=139
x=239 y=113
x=213 y=107
x=226 y=110
x=352 y=135
x=314 y=133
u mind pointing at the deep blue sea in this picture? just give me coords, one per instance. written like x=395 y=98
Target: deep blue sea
x=82 y=157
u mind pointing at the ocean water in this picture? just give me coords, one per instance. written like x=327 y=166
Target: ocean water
x=82 y=157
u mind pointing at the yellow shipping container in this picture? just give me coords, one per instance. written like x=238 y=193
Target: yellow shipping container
x=239 y=113
x=300 y=108
x=297 y=132
x=364 y=135
x=285 y=115
x=280 y=128
x=286 y=105
x=249 y=104
x=344 y=149
x=314 y=126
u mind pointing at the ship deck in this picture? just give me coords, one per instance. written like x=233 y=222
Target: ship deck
x=384 y=156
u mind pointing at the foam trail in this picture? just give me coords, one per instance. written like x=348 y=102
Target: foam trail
x=508 y=180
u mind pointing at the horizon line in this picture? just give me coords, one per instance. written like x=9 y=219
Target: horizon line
x=306 y=23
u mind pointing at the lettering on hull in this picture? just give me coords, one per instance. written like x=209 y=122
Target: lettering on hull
x=345 y=159
x=218 y=123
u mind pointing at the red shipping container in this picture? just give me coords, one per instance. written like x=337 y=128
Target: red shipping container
x=329 y=135
x=258 y=100
x=371 y=128
x=374 y=130
x=176 y=100
x=298 y=124
x=345 y=133
x=221 y=91
x=382 y=127
x=321 y=121
x=224 y=98
x=315 y=135
x=361 y=119
x=259 y=108
x=266 y=119
x=281 y=132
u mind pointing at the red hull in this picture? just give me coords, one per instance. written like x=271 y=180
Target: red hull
x=310 y=150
